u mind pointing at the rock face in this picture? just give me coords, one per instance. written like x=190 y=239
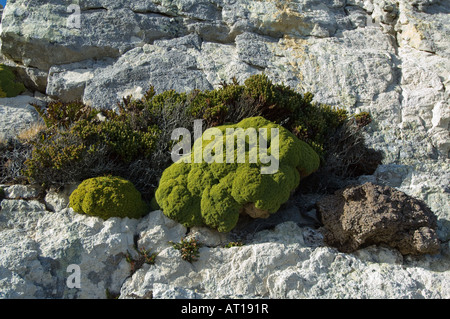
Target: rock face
x=282 y=263
x=17 y=115
x=370 y=214
x=38 y=246
x=286 y=261
x=389 y=58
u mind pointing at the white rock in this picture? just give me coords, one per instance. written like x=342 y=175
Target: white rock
x=58 y=200
x=17 y=115
x=390 y=58
x=55 y=201
x=207 y=236
x=38 y=246
x=156 y=231
x=274 y=269
x=22 y=191
x=165 y=291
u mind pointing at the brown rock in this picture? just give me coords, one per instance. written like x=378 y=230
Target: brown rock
x=254 y=212
x=369 y=214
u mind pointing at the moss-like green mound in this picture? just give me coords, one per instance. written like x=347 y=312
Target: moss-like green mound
x=8 y=85
x=107 y=197
x=214 y=194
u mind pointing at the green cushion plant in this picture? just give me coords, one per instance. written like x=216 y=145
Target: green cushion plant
x=214 y=194
x=107 y=197
x=134 y=141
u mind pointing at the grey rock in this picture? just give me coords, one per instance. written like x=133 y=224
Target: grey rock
x=252 y=49
x=33 y=78
x=156 y=231
x=22 y=191
x=165 y=291
x=67 y=82
x=17 y=115
x=38 y=246
x=279 y=263
x=100 y=33
x=59 y=199
x=389 y=58
x=286 y=261
x=165 y=68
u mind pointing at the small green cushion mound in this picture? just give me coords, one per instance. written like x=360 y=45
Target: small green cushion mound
x=214 y=194
x=107 y=197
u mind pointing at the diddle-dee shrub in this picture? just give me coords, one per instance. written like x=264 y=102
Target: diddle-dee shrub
x=214 y=193
x=107 y=197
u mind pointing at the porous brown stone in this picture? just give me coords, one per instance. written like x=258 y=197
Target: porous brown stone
x=370 y=214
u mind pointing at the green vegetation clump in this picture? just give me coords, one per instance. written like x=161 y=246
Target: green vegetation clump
x=144 y=257
x=189 y=249
x=107 y=197
x=363 y=119
x=8 y=85
x=214 y=194
x=78 y=145
x=134 y=141
x=63 y=115
x=310 y=121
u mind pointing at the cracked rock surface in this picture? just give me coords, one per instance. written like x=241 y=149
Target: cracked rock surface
x=389 y=58
x=288 y=260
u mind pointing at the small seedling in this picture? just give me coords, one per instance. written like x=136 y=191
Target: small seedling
x=145 y=257
x=189 y=249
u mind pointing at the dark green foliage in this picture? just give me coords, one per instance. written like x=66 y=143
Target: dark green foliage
x=347 y=157
x=144 y=257
x=309 y=121
x=8 y=85
x=234 y=244
x=2 y=194
x=63 y=115
x=78 y=145
x=135 y=141
x=363 y=119
x=196 y=194
x=61 y=157
x=119 y=135
x=189 y=249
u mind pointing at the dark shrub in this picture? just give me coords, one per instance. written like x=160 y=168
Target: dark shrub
x=135 y=142
x=13 y=154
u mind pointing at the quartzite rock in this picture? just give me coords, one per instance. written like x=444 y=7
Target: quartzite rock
x=389 y=58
